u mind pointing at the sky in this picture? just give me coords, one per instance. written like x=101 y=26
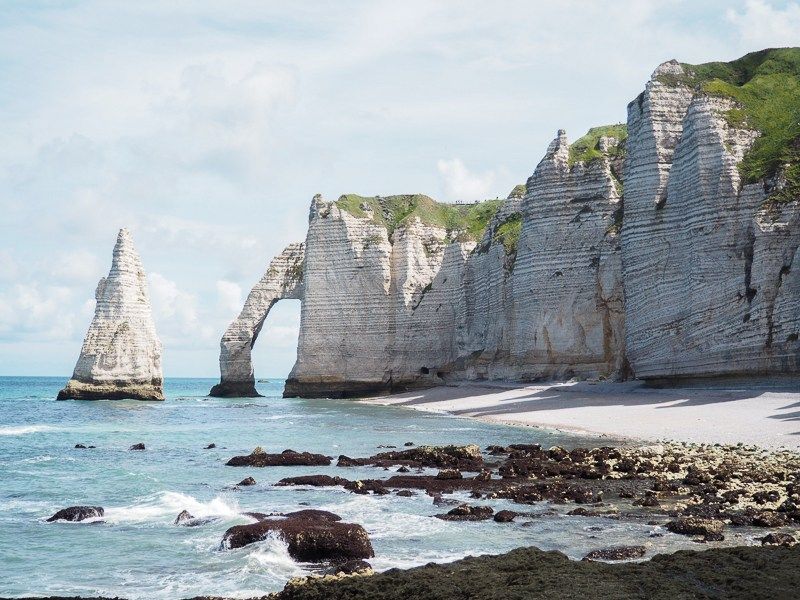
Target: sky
x=206 y=128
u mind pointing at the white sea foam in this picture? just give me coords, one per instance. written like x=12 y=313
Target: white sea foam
x=167 y=505
x=270 y=557
x=25 y=429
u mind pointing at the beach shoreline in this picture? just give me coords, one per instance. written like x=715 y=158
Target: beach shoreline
x=757 y=412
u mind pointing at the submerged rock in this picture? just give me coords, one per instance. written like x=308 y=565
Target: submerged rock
x=77 y=513
x=468 y=513
x=183 y=517
x=121 y=353
x=505 y=516
x=313 y=480
x=259 y=458
x=710 y=530
x=778 y=539
x=311 y=538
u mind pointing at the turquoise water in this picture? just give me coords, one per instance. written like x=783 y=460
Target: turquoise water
x=137 y=552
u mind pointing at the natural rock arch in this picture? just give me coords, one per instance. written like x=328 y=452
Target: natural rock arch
x=283 y=280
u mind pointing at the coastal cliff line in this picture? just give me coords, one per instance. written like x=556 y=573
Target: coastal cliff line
x=666 y=247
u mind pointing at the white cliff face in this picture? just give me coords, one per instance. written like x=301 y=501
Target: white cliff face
x=555 y=308
x=688 y=273
x=283 y=279
x=381 y=314
x=708 y=281
x=121 y=353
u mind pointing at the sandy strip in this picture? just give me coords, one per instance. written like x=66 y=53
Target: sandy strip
x=767 y=415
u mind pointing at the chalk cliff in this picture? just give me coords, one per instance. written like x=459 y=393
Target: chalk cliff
x=121 y=353
x=711 y=273
x=667 y=247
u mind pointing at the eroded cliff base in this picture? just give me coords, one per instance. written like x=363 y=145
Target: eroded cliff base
x=234 y=389
x=80 y=390
x=295 y=388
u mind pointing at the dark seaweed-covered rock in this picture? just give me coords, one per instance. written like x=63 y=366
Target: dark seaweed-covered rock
x=446 y=474
x=405 y=493
x=709 y=529
x=210 y=446
x=313 y=480
x=778 y=539
x=247 y=481
x=259 y=458
x=465 y=458
x=505 y=516
x=313 y=514
x=77 y=513
x=309 y=538
x=466 y=512
x=365 y=486
x=769 y=518
x=139 y=446
x=741 y=573
x=351 y=567
x=616 y=553
x=80 y=447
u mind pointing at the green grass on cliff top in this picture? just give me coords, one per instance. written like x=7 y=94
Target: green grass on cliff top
x=766 y=85
x=463 y=221
x=585 y=149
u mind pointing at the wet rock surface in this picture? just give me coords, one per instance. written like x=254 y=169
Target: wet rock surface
x=259 y=458
x=617 y=553
x=730 y=573
x=311 y=536
x=466 y=512
x=77 y=513
x=693 y=490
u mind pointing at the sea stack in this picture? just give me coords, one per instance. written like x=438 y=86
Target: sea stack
x=121 y=353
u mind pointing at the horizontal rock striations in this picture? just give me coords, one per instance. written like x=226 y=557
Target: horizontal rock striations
x=667 y=247
x=121 y=353
x=710 y=265
x=283 y=279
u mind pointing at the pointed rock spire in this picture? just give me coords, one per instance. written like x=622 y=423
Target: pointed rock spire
x=121 y=353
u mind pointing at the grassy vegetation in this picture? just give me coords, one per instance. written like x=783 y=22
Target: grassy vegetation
x=462 y=221
x=586 y=149
x=508 y=232
x=766 y=86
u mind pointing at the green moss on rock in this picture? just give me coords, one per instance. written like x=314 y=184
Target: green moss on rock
x=766 y=87
x=463 y=222
x=508 y=232
x=586 y=148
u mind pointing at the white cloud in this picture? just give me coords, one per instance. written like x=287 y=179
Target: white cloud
x=32 y=311
x=762 y=25
x=176 y=314
x=76 y=267
x=230 y=296
x=460 y=184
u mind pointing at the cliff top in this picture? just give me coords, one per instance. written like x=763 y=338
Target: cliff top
x=587 y=148
x=462 y=221
x=766 y=86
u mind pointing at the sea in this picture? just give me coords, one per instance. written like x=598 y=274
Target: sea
x=136 y=551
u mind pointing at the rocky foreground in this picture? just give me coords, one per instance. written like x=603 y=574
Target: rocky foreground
x=531 y=574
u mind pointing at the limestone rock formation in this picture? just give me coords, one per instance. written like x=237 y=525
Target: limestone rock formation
x=710 y=269
x=283 y=279
x=667 y=247
x=121 y=353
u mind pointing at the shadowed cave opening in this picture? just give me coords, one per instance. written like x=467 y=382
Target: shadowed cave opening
x=275 y=349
